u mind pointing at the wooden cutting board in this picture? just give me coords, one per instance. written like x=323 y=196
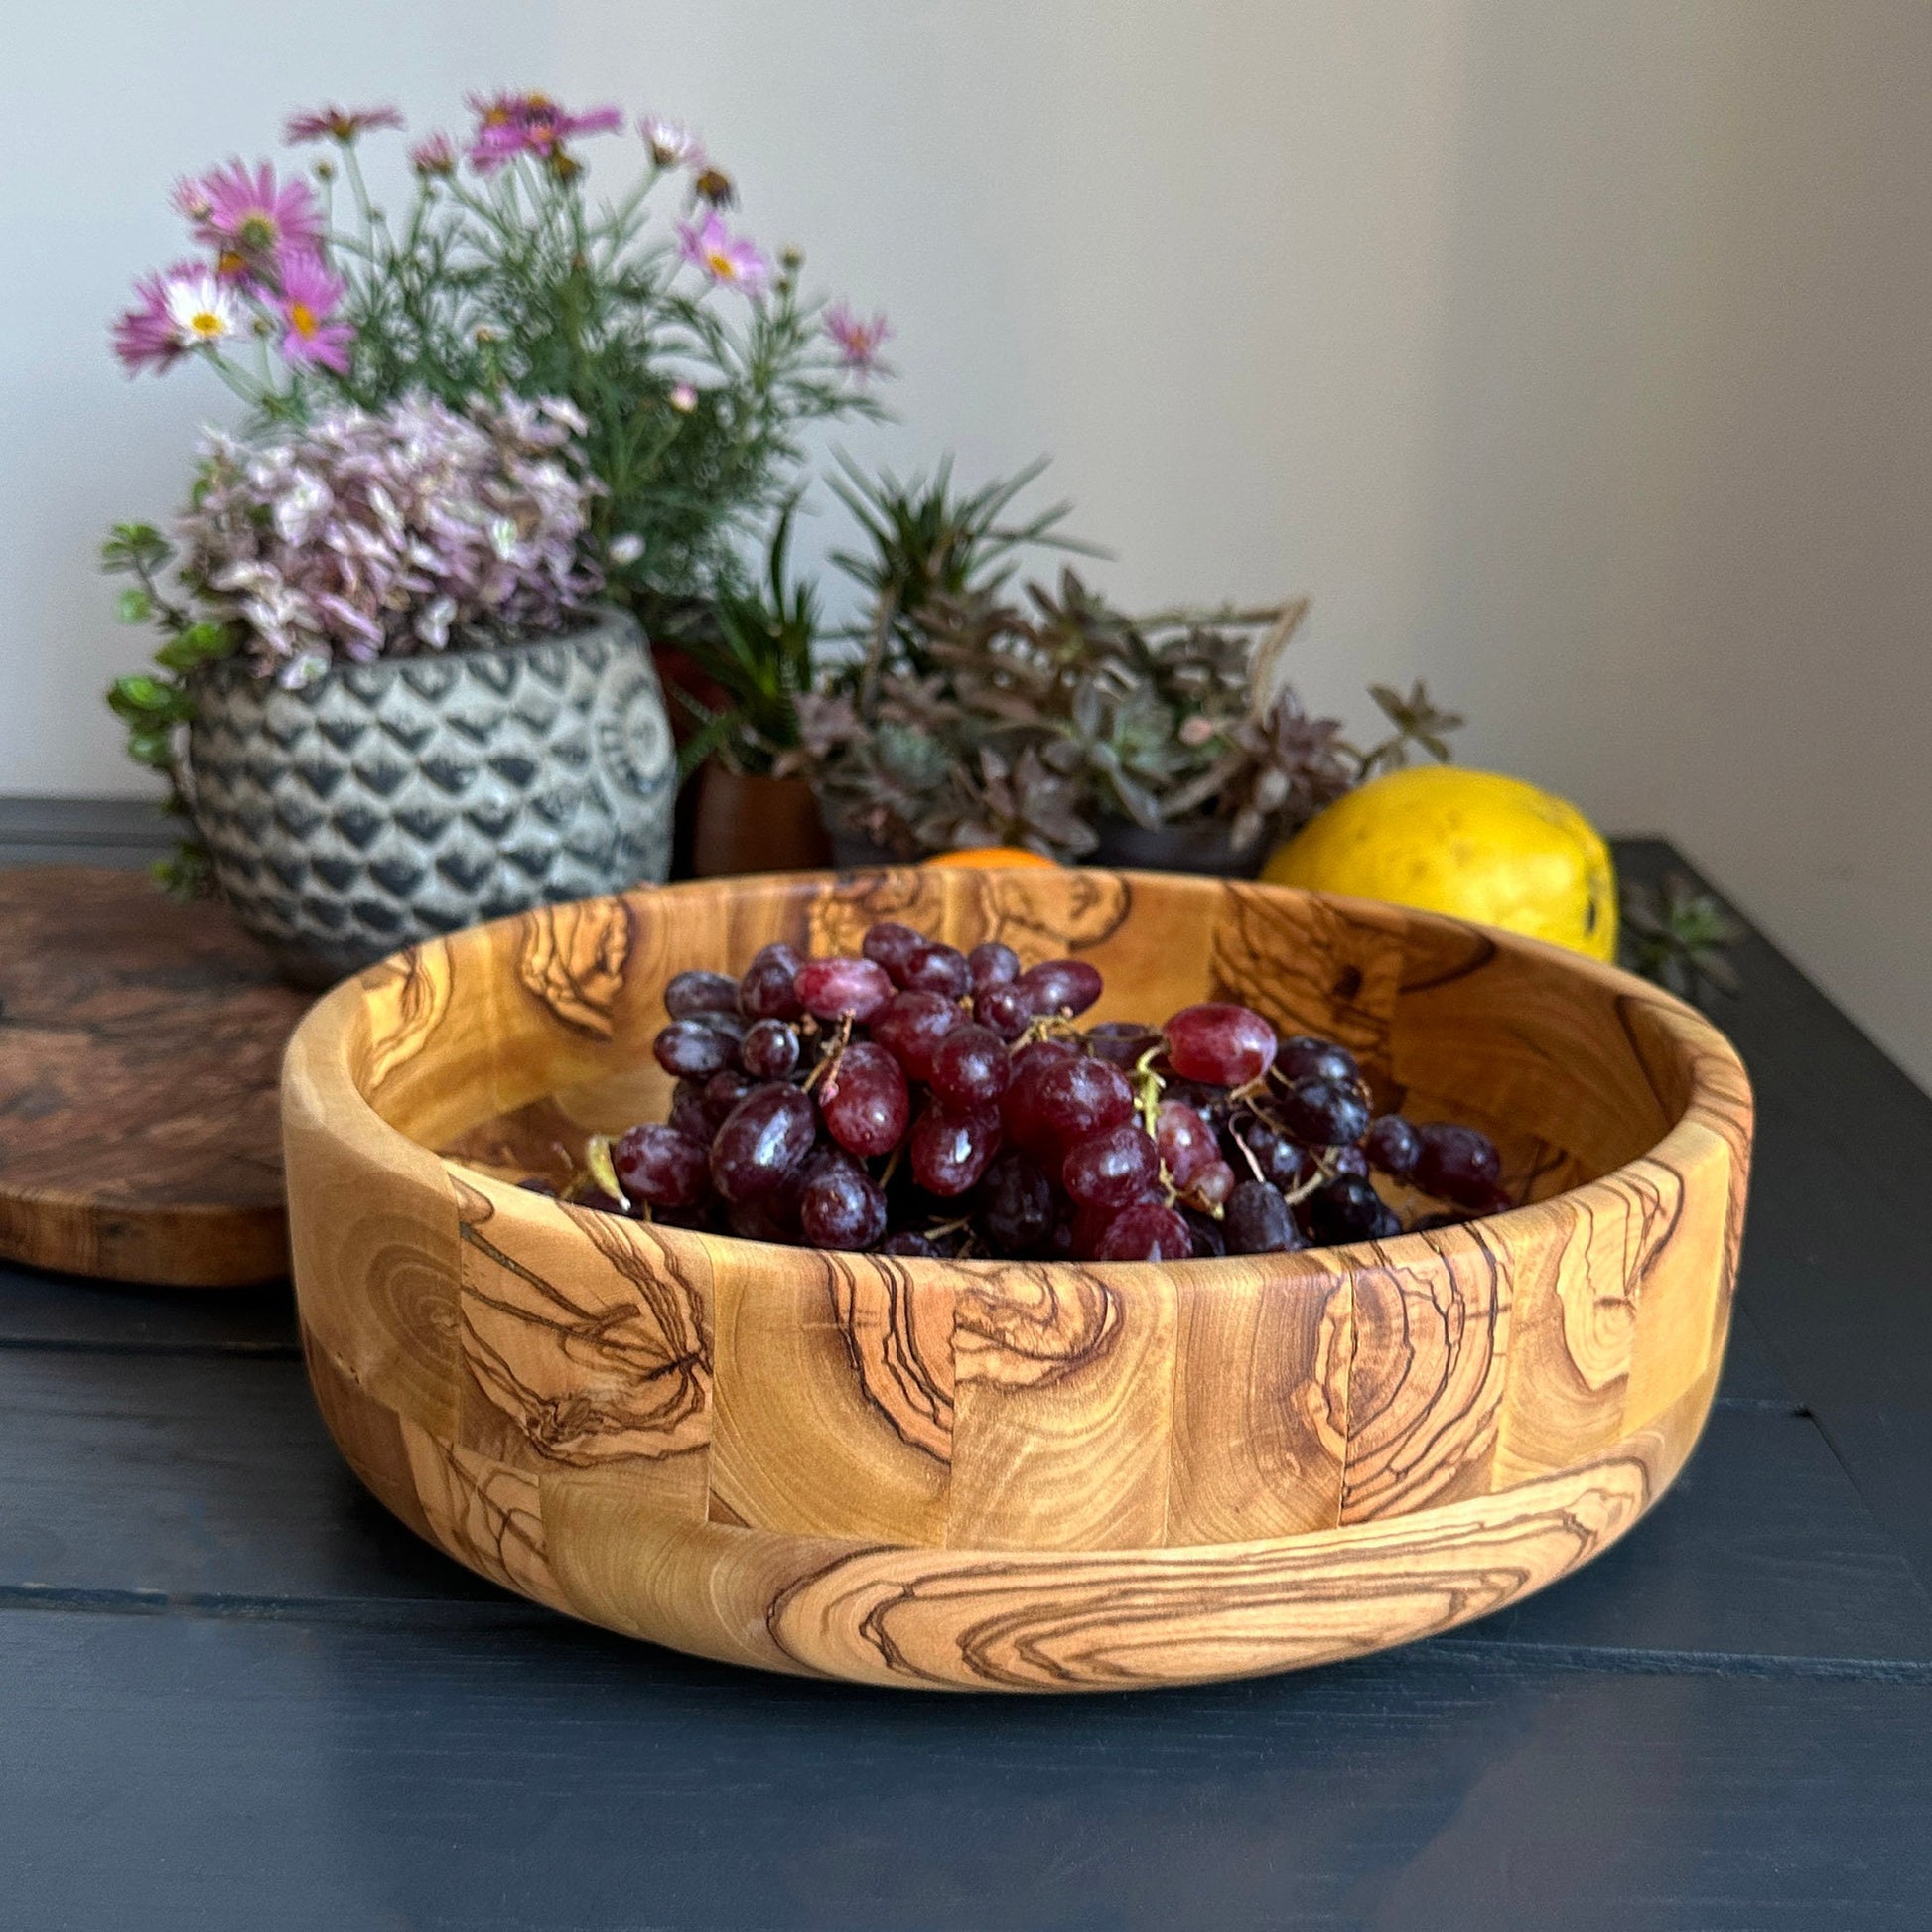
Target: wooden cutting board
x=140 y=1058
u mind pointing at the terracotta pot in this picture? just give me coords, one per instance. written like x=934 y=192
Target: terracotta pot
x=752 y=824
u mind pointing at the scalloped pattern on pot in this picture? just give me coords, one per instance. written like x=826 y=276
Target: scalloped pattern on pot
x=389 y=802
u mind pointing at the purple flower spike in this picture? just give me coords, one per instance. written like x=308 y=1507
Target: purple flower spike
x=730 y=260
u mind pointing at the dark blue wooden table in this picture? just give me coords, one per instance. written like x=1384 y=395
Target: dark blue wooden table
x=234 y=1693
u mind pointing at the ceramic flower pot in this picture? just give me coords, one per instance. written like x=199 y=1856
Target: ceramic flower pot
x=749 y=823
x=387 y=802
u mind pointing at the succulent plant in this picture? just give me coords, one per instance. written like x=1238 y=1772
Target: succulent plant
x=1678 y=934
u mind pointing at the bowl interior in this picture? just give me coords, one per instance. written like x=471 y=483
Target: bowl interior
x=1546 y=1053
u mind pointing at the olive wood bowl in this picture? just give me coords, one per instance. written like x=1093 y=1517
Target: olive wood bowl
x=999 y=1475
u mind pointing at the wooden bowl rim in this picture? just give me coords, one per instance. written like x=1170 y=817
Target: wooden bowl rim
x=1701 y=1048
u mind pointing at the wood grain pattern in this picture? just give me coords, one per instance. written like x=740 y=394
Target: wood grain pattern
x=1006 y=1475
x=140 y=1046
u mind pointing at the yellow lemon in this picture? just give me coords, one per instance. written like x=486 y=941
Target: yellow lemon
x=1472 y=844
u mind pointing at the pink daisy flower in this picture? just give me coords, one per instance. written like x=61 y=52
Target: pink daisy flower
x=508 y=125
x=191 y=199
x=730 y=260
x=307 y=304
x=858 y=342
x=187 y=307
x=342 y=125
x=435 y=156
x=254 y=218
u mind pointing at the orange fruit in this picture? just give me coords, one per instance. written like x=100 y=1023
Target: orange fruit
x=990 y=858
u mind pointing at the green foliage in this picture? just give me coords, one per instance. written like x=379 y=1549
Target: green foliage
x=156 y=707
x=760 y=650
x=1681 y=937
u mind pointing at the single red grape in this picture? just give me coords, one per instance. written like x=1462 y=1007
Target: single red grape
x=1460 y=1164
x=1111 y=1168
x=1062 y=986
x=992 y=964
x=1213 y=1182
x=911 y=1027
x=1005 y=1009
x=1147 y=1231
x=833 y=988
x=721 y=1093
x=1305 y=1057
x=970 y=1069
x=660 y=1165
x=689 y=1114
x=691 y=1050
x=761 y=1141
x=767 y=991
x=1257 y=1221
x=1076 y=1097
x=771 y=1217
x=864 y=1100
x=1222 y=1044
x=1324 y=1113
x=1394 y=1146
x=938 y=969
x=949 y=1152
x=839 y=1207
x=696 y=991
x=1187 y=1142
x=768 y=1051
x=892 y=945
x=1019 y=1109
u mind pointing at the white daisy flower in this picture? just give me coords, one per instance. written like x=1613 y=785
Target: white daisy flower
x=201 y=310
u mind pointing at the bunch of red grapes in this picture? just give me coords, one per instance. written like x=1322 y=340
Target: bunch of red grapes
x=919 y=1100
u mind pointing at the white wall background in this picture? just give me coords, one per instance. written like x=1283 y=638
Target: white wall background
x=1573 y=356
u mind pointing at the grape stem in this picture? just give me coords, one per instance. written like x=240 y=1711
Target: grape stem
x=827 y=1066
x=599 y=1168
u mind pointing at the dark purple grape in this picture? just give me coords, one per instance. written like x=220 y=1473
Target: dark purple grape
x=1210 y=1242
x=660 y=1165
x=938 y=969
x=910 y=1242
x=1109 y=1168
x=1459 y=1164
x=598 y=1200
x=772 y=1217
x=768 y=990
x=865 y=1101
x=992 y=964
x=1015 y=1210
x=1147 y=1231
x=1346 y=1159
x=833 y=988
x=949 y=1152
x=1284 y=1163
x=911 y=1027
x=1393 y=1144
x=763 y=1140
x=720 y=1094
x=1062 y=986
x=689 y=1115
x=780 y=953
x=1323 y=1113
x=1122 y=1043
x=1305 y=1057
x=696 y=992
x=536 y=1184
x=1225 y=1045
x=1349 y=1209
x=971 y=1069
x=839 y=1207
x=892 y=945
x=691 y=1050
x=1076 y=1097
x=733 y=1023
x=768 y=1051
x=1257 y=1221
x=1187 y=1142
x=1006 y=1010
